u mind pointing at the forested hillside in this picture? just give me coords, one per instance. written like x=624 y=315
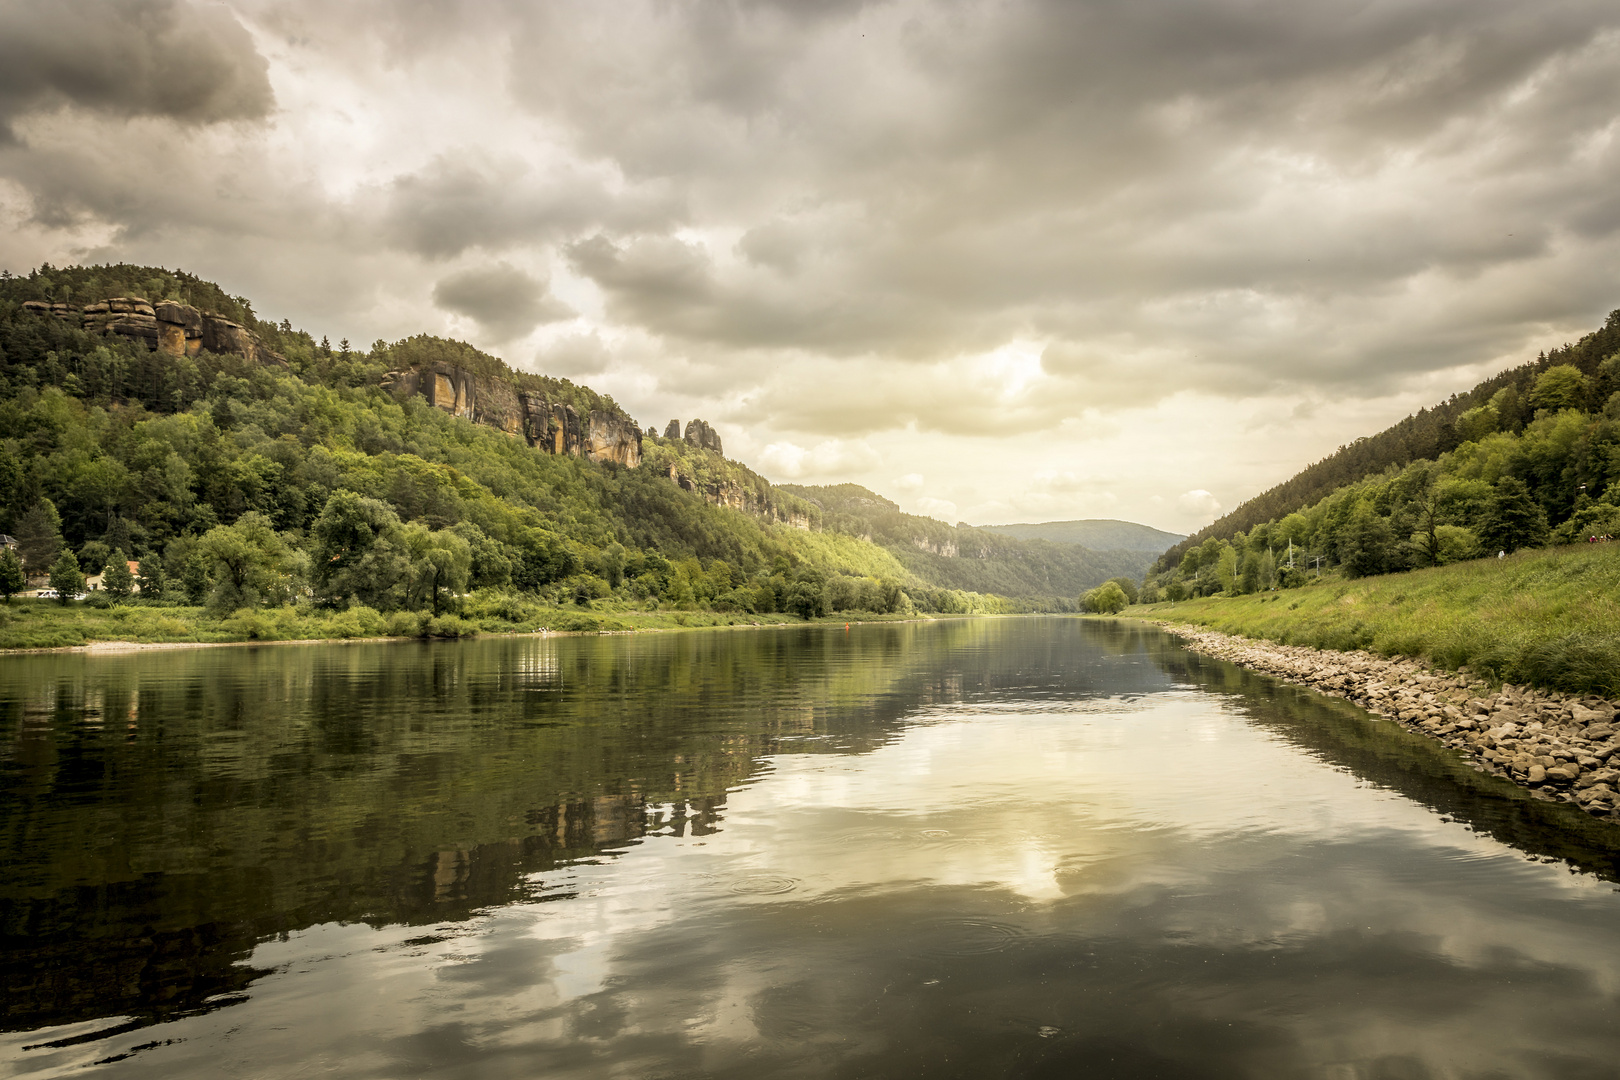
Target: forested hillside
x=297 y=472
x=1527 y=458
x=1102 y=534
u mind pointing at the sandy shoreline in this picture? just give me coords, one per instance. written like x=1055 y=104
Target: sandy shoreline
x=1563 y=747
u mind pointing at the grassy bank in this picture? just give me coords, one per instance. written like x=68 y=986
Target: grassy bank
x=1548 y=617
x=44 y=624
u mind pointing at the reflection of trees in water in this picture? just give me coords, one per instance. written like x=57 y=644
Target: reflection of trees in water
x=162 y=813
x=1413 y=765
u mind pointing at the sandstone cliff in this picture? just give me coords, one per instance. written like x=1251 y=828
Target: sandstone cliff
x=167 y=326
x=553 y=426
x=722 y=482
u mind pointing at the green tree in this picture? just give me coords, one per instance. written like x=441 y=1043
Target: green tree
x=1249 y=578
x=1456 y=544
x=253 y=564
x=12 y=578
x=151 y=578
x=197 y=580
x=1559 y=387
x=118 y=539
x=66 y=578
x=439 y=561
x=807 y=599
x=358 y=553
x=1126 y=586
x=1475 y=424
x=541 y=557
x=1364 y=549
x=1106 y=599
x=1513 y=519
x=39 y=535
x=13 y=493
x=1419 y=491
x=116 y=578
x=491 y=564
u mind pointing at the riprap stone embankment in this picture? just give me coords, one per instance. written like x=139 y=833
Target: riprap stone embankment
x=1559 y=746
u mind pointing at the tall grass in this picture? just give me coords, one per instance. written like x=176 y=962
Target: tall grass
x=1548 y=617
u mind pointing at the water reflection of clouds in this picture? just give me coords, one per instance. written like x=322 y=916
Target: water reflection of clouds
x=1160 y=881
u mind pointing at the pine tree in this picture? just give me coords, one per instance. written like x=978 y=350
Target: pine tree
x=151 y=579
x=66 y=578
x=196 y=581
x=39 y=535
x=12 y=578
x=1514 y=519
x=117 y=579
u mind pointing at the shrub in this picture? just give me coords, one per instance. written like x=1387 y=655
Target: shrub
x=448 y=626
x=407 y=624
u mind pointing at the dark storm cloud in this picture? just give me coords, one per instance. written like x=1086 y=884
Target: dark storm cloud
x=464 y=200
x=504 y=301
x=1098 y=170
x=832 y=216
x=190 y=62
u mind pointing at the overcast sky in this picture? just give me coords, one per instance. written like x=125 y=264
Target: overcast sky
x=1000 y=261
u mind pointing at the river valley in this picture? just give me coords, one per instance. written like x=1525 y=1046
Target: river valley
x=1034 y=847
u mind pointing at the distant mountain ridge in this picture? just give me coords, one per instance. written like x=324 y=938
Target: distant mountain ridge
x=968 y=557
x=1099 y=534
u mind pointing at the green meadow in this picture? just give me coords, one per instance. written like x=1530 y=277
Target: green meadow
x=1549 y=617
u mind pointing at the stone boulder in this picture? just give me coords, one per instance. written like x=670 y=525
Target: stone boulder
x=673 y=430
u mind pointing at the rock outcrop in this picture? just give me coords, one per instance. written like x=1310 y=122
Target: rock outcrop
x=740 y=497
x=1560 y=746
x=700 y=434
x=167 y=326
x=553 y=426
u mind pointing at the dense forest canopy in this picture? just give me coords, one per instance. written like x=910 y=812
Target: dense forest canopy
x=1527 y=458
x=246 y=484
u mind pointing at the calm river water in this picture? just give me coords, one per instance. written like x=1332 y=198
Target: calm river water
x=995 y=848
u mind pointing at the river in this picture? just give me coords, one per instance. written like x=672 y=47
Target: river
x=979 y=848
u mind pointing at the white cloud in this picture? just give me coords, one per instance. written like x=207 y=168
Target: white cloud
x=943 y=509
x=1198 y=503
x=832 y=458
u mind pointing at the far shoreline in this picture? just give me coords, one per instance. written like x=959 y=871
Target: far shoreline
x=113 y=647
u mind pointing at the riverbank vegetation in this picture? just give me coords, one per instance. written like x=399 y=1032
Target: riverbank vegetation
x=45 y=624
x=1544 y=617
